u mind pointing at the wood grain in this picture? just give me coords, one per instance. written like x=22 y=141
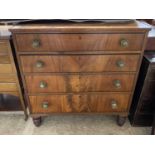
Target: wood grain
x=6 y=68
x=79 y=103
x=3 y=46
x=135 y=27
x=79 y=66
x=78 y=42
x=8 y=87
x=78 y=63
x=79 y=83
x=5 y=59
x=7 y=78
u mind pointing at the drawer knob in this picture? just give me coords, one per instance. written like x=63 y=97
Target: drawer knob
x=43 y=84
x=36 y=43
x=120 y=63
x=39 y=64
x=114 y=104
x=45 y=105
x=124 y=43
x=117 y=83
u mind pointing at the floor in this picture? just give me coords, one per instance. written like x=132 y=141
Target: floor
x=14 y=124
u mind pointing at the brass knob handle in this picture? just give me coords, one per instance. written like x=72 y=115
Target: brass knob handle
x=124 y=43
x=43 y=84
x=117 y=83
x=36 y=43
x=45 y=104
x=39 y=64
x=120 y=63
x=114 y=104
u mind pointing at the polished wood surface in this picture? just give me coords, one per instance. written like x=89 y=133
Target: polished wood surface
x=80 y=67
x=78 y=42
x=101 y=102
x=79 y=63
x=134 y=27
x=79 y=83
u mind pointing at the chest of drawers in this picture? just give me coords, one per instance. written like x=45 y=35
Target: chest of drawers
x=11 y=97
x=79 y=68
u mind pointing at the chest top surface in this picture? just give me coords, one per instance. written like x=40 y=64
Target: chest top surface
x=95 y=27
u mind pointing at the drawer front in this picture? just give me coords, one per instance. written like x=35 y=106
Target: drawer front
x=8 y=87
x=79 y=42
x=7 y=78
x=79 y=83
x=101 y=102
x=4 y=59
x=4 y=46
x=6 y=68
x=79 y=63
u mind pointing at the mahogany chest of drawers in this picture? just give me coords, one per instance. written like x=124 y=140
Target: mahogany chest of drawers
x=79 y=68
x=11 y=98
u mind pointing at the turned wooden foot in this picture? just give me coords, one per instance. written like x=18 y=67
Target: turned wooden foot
x=121 y=120
x=37 y=121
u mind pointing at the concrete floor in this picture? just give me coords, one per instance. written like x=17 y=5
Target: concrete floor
x=14 y=124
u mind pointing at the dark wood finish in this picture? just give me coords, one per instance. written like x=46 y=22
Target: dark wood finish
x=142 y=108
x=79 y=83
x=98 y=103
x=78 y=62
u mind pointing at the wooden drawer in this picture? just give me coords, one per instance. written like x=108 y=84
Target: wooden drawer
x=6 y=68
x=91 y=102
x=8 y=87
x=4 y=59
x=5 y=64
x=78 y=42
x=3 y=46
x=7 y=78
x=79 y=83
x=79 y=63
